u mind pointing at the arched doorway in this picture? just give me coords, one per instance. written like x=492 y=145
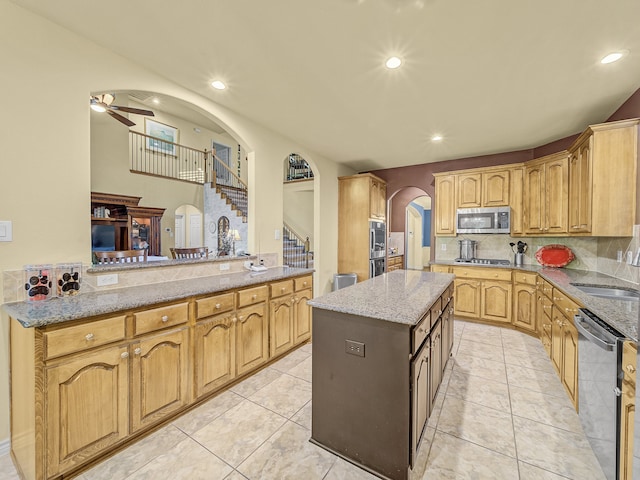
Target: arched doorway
x=188 y=227
x=409 y=224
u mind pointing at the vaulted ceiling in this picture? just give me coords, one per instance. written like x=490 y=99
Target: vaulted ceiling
x=489 y=76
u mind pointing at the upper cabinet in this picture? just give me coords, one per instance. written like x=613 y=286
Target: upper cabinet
x=445 y=205
x=545 y=195
x=602 y=180
x=377 y=199
x=489 y=188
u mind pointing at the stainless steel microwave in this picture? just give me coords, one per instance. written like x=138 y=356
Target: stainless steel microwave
x=483 y=220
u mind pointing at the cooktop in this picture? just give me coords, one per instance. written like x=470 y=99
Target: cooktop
x=484 y=261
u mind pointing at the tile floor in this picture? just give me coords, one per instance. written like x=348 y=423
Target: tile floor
x=501 y=413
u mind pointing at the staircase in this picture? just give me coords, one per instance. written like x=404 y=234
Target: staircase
x=294 y=250
x=235 y=197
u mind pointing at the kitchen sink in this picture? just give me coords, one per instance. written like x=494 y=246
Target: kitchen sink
x=612 y=293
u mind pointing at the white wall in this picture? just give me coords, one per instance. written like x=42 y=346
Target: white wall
x=47 y=76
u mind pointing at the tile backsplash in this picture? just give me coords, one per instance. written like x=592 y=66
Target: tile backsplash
x=592 y=253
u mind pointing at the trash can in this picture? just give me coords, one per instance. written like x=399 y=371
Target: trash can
x=342 y=280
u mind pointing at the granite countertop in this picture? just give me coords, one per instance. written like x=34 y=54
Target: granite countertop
x=401 y=296
x=57 y=310
x=621 y=315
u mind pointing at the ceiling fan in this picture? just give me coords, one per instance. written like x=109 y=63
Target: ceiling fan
x=102 y=103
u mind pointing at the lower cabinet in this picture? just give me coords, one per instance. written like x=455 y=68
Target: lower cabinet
x=215 y=353
x=281 y=313
x=564 y=344
x=467 y=294
x=495 y=301
x=525 y=300
x=436 y=360
x=159 y=376
x=302 y=317
x=628 y=409
x=252 y=338
x=87 y=407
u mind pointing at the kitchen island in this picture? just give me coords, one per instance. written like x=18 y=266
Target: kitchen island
x=380 y=348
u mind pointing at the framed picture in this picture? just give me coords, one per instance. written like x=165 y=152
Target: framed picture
x=164 y=137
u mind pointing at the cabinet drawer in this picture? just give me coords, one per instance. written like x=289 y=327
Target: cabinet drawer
x=420 y=332
x=525 y=277
x=440 y=268
x=629 y=362
x=281 y=288
x=206 y=307
x=158 y=318
x=546 y=288
x=84 y=336
x=547 y=306
x=436 y=311
x=483 y=273
x=567 y=306
x=303 y=283
x=251 y=296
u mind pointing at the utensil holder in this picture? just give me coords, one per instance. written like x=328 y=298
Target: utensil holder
x=519 y=259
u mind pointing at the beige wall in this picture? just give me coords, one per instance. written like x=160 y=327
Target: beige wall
x=298 y=208
x=47 y=76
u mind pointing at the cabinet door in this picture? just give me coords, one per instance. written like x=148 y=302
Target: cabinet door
x=496 y=301
x=557 y=195
x=420 y=399
x=377 y=199
x=524 y=300
x=302 y=317
x=534 y=199
x=436 y=360
x=495 y=188
x=580 y=188
x=515 y=195
x=445 y=205
x=160 y=373
x=214 y=353
x=469 y=190
x=556 y=340
x=467 y=293
x=281 y=325
x=627 y=421
x=252 y=338
x=570 y=360
x=87 y=407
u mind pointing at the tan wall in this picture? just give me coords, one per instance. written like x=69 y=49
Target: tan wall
x=298 y=208
x=47 y=76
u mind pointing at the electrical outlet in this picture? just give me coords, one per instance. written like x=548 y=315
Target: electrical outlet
x=444 y=247
x=354 y=348
x=224 y=266
x=277 y=234
x=104 y=280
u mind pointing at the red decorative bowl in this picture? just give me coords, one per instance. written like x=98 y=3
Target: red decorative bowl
x=555 y=256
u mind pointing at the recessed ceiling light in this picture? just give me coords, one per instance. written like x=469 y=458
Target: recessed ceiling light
x=217 y=84
x=155 y=100
x=436 y=138
x=393 y=62
x=613 y=57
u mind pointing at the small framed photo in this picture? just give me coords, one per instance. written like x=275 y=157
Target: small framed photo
x=161 y=138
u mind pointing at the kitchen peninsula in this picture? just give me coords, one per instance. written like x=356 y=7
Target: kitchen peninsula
x=96 y=371
x=379 y=352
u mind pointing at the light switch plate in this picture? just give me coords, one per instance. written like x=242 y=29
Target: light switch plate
x=6 y=231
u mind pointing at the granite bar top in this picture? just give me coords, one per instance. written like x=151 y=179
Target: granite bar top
x=57 y=310
x=621 y=315
x=401 y=296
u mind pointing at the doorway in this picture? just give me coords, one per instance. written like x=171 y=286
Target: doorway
x=188 y=227
x=418 y=233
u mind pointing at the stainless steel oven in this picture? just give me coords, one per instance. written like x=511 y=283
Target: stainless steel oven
x=377 y=240
x=376 y=267
x=483 y=220
x=599 y=382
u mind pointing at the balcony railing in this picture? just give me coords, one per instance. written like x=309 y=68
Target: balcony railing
x=154 y=156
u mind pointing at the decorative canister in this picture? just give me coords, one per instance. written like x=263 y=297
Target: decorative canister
x=38 y=282
x=68 y=278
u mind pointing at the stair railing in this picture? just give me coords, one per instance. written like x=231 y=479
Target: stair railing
x=226 y=182
x=295 y=250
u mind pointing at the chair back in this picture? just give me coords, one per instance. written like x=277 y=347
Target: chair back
x=199 y=252
x=121 y=256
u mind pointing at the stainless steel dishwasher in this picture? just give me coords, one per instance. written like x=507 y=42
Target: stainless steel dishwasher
x=599 y=382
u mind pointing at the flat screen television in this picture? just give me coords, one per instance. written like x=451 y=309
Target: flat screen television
x=103 y=238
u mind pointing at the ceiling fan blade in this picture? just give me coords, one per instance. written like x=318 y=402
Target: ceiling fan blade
x=138 y=111
x=120 y=118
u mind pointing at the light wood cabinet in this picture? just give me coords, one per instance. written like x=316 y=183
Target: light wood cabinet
x=159 y=376
x=81 y=389
x=545 y=195
x=361 y=199
x=603 y=179
x=445 y=205
x=564 y=343
x=395 y=263
x=496 y=188
x=87 y=407
x=515 y=200
x=467 y=293
x=436 y=360
x=281 y=325
x=469 y=188
x=628 y=409
x=525 y=300
x=495 y=301
x=483 y=293
x=440 y=268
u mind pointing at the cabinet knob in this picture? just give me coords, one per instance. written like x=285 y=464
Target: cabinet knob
x=137 y=351
x=240 y=317
x=304 y=284
x=89 y=337
x=218 y=306
x=630 y=368
x=124 y=354
x=234 y=319
x=495 y=275
x=165 y=318
x=254 y=296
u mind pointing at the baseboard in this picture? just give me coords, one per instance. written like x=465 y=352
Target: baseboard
x=5 y=447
